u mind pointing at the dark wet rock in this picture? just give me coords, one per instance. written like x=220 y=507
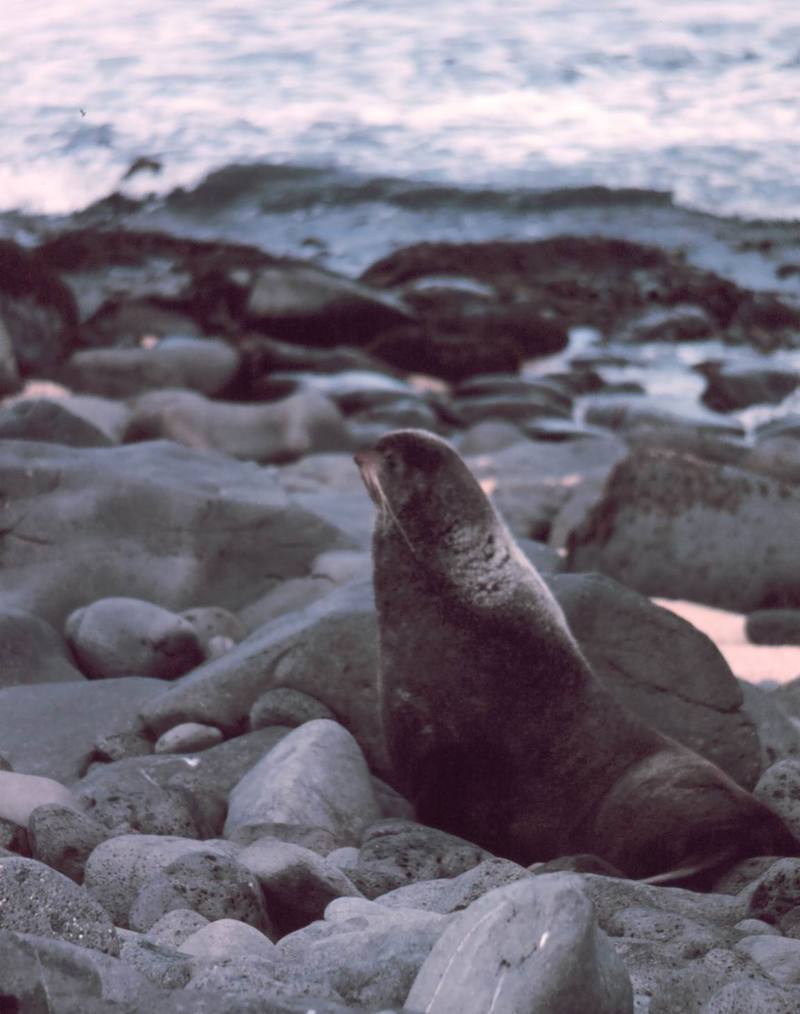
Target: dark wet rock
x=125 y=321
x=200 y=781
x=168 y=272
x=285 y=706
x=774 y=626
x=130 y=637
x=38 y=311
x=732 y=387
x=94 y=523
x=262 y=357
x=399 y=852
x=664 y=669
x=459 y=347
x=296 y=882
x=282 y=431
x=51 y=729
x=581 y=862
x=513 y=386
x=32 y=651
x=119 y=867
x=305 y=304
x=674 y=526
x=484 y=959
x=40 y=975
x=48 y=420
x=316 y=776
x=203 y=365
x=64 y=838
x=328 y=651
x=62 y=910
x=206 y=881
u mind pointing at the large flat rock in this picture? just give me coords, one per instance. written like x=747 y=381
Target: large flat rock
x=155 y=521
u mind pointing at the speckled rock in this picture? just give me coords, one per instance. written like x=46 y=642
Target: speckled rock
x=176 y=926
x=64 y=838
x=317 y=776
x=297 y=884
x=453 y=894
x=779 y=788
x=118 y=868
x=531 y=946
x=129 y=637
x=749 y=996
x=134 y=802
x=62 y=910
x=399 y=852
x=215 y=885
x=779 y=957
x=776 y=891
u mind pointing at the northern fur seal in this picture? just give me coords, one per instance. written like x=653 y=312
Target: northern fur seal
x=497 y=728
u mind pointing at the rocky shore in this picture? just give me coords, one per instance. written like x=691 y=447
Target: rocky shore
x=196 y=809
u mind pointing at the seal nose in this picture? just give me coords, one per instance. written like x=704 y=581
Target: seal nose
x=365 y=458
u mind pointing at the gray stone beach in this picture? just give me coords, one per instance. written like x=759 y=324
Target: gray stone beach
x=197 y=808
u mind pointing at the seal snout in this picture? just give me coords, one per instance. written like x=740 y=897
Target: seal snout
x=368 y=462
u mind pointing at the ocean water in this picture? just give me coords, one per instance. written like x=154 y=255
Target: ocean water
x=698 y=99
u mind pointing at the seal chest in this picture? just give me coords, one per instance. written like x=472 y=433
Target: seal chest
x=497 y=728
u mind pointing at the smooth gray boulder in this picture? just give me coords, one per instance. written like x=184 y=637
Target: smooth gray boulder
x=35 y=899
x=153 y=521
x=532 y=946
x=662 y=668
x=672 y=525
x=123 y=636
x=316 y=776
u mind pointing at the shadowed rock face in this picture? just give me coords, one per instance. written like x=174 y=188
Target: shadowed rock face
x=672 y=525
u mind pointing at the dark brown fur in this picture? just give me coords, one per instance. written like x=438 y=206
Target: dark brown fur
x=496 y=726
